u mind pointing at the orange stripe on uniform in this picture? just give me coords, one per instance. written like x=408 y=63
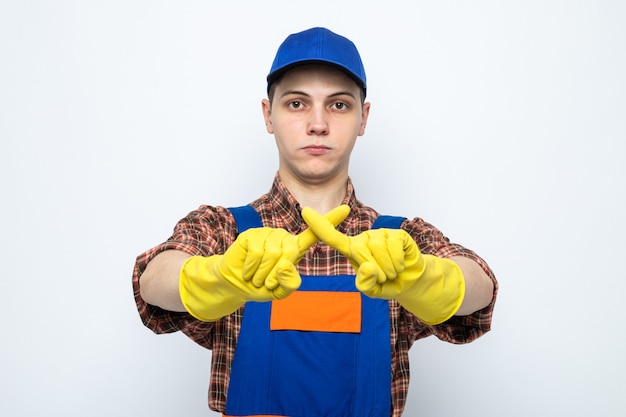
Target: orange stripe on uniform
x=320 y=311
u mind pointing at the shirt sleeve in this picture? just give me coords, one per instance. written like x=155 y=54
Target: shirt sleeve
x=205 y=231
x=457 y=329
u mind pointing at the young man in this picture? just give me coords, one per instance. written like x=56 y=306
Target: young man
x=309 y=299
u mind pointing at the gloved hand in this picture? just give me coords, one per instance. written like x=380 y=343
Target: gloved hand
x=259 y=266
x=389 y=265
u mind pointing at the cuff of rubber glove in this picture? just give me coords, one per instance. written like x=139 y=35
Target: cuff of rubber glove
x=439 y=293
x=194 y=279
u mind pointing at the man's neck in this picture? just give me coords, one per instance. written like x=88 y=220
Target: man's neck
x=321 y=197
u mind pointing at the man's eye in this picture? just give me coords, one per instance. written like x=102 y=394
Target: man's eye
x=295 y=104
x=340 y=106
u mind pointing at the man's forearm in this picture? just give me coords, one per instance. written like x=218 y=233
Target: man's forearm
x=159 y=282
x=478 y=286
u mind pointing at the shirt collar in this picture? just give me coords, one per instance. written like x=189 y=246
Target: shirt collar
x=287 y=208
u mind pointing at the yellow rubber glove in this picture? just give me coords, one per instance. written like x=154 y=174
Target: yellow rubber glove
x=259 y=266
x=389 y=265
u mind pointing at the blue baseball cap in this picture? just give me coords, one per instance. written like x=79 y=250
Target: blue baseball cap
x=318 y=45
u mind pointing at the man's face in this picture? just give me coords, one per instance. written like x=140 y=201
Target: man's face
x=315 y=116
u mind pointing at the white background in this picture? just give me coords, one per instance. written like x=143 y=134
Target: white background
x=503 y=123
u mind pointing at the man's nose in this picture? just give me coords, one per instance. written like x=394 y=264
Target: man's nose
x=318 y=121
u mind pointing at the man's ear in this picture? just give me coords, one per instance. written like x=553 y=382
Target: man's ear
x=267 y=115
x=364 y=115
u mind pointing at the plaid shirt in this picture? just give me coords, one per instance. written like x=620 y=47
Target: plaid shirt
x=211 y=230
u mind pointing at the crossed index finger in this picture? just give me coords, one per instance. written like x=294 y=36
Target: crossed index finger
x=330 y=220
x=325 y=231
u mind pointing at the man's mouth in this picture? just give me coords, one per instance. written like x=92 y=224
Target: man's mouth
x=316 y=149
